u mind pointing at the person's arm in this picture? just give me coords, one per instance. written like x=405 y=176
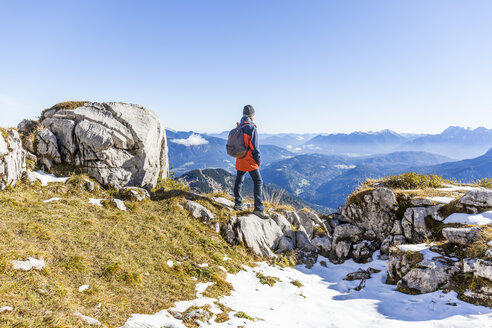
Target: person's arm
x=255 y=147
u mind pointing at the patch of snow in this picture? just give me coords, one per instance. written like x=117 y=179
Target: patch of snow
x=225 y=258
x=96 y=202
x=202 y=287
x=423 y=249
x=192 y=140
x=449 y=187
x=326 y=300
x=489 y=243
x=170 y=263
x=45 y=178
x=203 y=265
x=6 y=309
x=441 y=200
x=83 y=288
x=474 y=219
x=299 y=138
x=52 y=200
x=88 y=320
x=30 y=264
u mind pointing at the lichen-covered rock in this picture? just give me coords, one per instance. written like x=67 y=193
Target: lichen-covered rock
x=12 y=158
x=463 y=236
x=428 y=277
x=400 y=263
x=360 y=274
x=481 y=198
x=362 y=252
x=414 y=222
x=372 y=210
x=479 y=267
x=323 y=244
x=115 y=143
x=347 y=232
x=391 y=241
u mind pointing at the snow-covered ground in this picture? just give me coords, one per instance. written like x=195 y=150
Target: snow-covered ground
x=475 y=219
x=325 y=300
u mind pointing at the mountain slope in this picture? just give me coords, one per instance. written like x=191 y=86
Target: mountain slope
x=361 y=143
x=456 y=142
x=466 y=170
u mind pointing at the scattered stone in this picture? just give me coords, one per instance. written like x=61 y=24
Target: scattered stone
x=199 y=211
x=463 y=236
x=224 y=202
x=28 y=265
x=119 y=204
x=488 y=253
x=360 y=274
x=198 y=314
x=96 y=202
x=90 y=185
x=286 y=244
x=135 y=193
x=362 y=252
x=88 y=320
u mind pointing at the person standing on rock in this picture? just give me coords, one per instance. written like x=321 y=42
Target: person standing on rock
x=251 y=163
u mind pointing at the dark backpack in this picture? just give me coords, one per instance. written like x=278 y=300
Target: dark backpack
x=235 y=143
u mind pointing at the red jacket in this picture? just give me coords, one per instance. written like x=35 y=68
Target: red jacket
x=251 y=161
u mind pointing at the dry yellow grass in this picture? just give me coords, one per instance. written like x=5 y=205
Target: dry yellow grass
x=121 y=255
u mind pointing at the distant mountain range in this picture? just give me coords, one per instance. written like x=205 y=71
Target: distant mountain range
x=454 y=142
x=189 y=151
x=324 y=169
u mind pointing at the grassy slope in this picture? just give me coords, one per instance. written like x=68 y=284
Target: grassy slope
x=121 y=255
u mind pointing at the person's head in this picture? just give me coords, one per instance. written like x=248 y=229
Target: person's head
x=249 y=111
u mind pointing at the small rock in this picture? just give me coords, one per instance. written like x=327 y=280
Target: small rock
x=224 y=202
x=488 y=253
x=358 y=275
x=135 y=193
x=170 y=263
x=119 y=204
x=477 y=198
x=421 y=202
x=463 y=236
x=89 y=185
x=198 y=314
x=199 y=211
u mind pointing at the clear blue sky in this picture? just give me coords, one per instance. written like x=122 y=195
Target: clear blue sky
x=306 y=66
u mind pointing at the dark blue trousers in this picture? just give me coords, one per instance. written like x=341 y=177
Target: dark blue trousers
x=258 y=188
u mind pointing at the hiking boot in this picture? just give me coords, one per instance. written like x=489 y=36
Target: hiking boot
x=238 y=207
x=261 y=214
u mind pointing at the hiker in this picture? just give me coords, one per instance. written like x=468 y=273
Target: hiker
x=251 y=163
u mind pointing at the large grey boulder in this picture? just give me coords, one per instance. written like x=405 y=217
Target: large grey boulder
x=262 y=236
x=414 y=222
x=12 y=158
x=115 y=143
x=477 y=198
x=372 y=210
x=463 y=236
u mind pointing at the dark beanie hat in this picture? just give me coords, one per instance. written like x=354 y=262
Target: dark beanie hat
x=248 y=110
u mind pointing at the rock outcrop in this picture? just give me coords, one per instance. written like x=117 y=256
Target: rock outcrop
x=117 y=144
x=12 y=158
